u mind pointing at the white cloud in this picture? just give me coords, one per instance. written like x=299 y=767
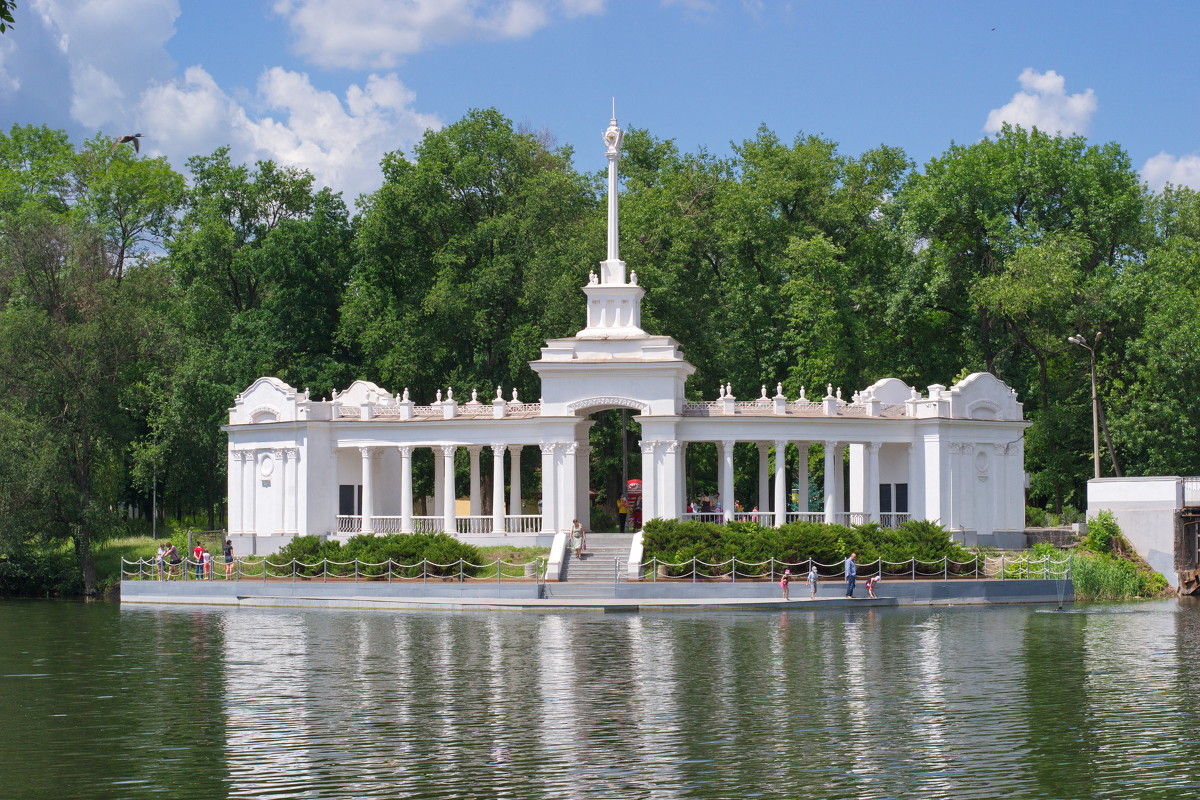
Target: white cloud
x=378 y=34
x=9 y=82
x=109 y=47
x=1045 y=104
x=288 y=120
x=1165 y=168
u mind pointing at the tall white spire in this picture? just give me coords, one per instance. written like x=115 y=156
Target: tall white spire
x=612 y=270
x=614 y=306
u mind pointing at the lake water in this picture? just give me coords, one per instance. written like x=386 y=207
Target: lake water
x=101 y=701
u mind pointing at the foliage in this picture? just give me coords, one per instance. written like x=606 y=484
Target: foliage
x=445 y=556
x=679 y=541
x=1103 y=532
x=1106 y=577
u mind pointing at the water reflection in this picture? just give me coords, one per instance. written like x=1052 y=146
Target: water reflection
x=876 y=703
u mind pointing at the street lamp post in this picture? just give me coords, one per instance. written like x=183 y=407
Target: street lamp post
x=1082 y=342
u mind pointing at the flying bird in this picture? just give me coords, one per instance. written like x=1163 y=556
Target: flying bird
x=127 y=139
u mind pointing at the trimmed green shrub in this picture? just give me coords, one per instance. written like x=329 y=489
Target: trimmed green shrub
x=375 y=551
x=678 y=541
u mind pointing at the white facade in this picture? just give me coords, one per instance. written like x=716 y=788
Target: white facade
x=953 y=455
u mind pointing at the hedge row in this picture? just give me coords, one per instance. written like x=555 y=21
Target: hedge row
x=678 y=541
x=407 y=549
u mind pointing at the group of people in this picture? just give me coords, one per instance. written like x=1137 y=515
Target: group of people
x=630 y=510
x=168 y=562
x=851 y=569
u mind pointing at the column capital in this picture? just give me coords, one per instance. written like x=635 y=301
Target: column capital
x=763 y=447
x=366 y=452
x=673 y=446
x=498 y=449
x=727 y=444
x=474 y=449
x=647 y=447
x=568 y=448
x=548 y=448
x=831 y=444
x=448 y=450
x=406 y=450
x=873 y=447
x=781 y=444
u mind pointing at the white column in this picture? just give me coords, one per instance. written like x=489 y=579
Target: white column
x=916 y=485
x=292 y=502
x=839 y=475
x=250 y=495
x=764 y=477
x=514 y=480
x=406 y=496
x=280 y=454
x=668 y=473
x=498 y=488
x=681 y=480
x=476 y=499
x=368 y=498
x=449 y=524
x=583 y=483
x=549 y=519
x=236 y=482
x=439 y=481
x=566 y=495
x=648 y=487
x=831 y=482
x=802 y=477
x=727 y=489
x=780 y=505
x=872 y=487
x=966 y=481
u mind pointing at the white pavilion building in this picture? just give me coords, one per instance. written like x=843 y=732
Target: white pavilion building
x=299 y=466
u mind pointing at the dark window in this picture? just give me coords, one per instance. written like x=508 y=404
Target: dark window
x=885 y=498
x=901 y=498
x=349 y=500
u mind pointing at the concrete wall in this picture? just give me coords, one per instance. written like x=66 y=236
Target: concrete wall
x=1147 y=509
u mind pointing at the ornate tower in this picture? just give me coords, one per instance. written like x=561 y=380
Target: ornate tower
x=614 y=307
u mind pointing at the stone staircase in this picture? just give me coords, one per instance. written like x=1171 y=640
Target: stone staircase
x=599 y=562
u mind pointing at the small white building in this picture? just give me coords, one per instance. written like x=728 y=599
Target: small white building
x=300 y=466
x=1160 y=516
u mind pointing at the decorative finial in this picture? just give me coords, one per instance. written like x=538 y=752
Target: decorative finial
x=439 y=397
x=499 y=392
x=449 y=393
x=633 y=278
x=593 y=279
x=802 y=397
x=335 y=394
x=839 y=393
x=729 y=390
x=474 y=396
x=828 y=389
x=406 y=394
x=764 y=391
x=779 y=390
x=514 y=394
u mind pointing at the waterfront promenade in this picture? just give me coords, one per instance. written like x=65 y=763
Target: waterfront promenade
x=596 y=597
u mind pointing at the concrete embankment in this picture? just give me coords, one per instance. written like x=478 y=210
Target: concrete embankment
x=661 y=596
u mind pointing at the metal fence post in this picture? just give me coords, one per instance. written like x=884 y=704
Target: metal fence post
x=654 y=566
x=945 y=567
x=914 y=568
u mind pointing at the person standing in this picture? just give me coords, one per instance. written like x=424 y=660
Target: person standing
x=206 y=561
x=851 y=574
x=159 y=560
x=228 y=550
x=622 y=512
x=812 y=580
x=783 y=584
x=198 y=558
x=577 y=537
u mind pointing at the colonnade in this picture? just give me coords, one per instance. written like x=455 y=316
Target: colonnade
x=444 y=494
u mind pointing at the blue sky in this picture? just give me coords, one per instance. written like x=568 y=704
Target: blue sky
x=331 y=85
